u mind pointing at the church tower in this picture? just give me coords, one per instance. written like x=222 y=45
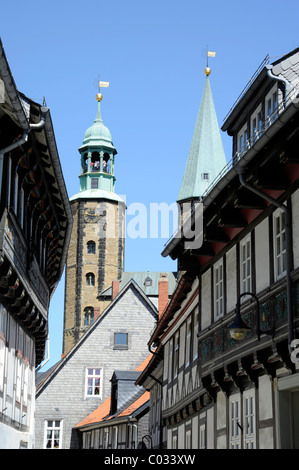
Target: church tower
x=206 y=155
x=96 y=251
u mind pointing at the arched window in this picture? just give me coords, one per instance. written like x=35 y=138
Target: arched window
x=88 y=316
x=90 y=279
x=91 y=247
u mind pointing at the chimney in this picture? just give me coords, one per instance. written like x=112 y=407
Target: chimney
x=115 y=289
x=163 y=293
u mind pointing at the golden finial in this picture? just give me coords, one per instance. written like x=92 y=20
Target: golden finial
x=207 y=70
x=99 y=95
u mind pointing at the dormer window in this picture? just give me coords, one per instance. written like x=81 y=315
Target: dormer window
x=148 y=281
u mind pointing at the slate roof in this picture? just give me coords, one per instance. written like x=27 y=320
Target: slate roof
x=140 y=276
x=134 y=399
x=47 y=375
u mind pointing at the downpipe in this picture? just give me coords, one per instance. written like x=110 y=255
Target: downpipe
x=21 y=141
x=288 y=233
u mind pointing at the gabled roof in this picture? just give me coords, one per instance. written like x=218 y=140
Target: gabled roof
x=206 y=154
x=55 y=369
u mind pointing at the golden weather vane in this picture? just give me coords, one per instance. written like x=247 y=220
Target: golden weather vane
x=99 y=95
x=209 y=54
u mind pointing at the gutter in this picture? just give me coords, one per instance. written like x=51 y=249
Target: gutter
x=21 y=141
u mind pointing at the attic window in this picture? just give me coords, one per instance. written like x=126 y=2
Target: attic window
x=120 y=340
x=205 y=176
x=148 y=281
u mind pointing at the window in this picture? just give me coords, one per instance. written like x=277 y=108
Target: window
x=235 y=426
x=205 y=176
x=170 y=359
x=256 y=124
x=94 y=183
x=121 y=340
x=114 y=437
x=218 y=290
x=93 y=382
x=148 y=281
x=202 y=436
x=175 y=438
x=195 y=332
x=279 y=244
x=249 y=419
x=106 y=438
x=245 y=262
x=90 y=280
x=91 y=247
x=53 y=434
x=188 y=342
x=242 y=140
x=88 y=316
x=188 y=439
x=271 y=106
x=176 y=355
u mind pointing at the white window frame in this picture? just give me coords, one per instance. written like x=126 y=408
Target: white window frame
x=279 y=244
x=235 y=421
x=170 y=359
x=256 y=124
x=106 y=438
x=195 y=332
x=249 y=419
x=202 y=436
x=114 y=437
x=176 y=353
x=188 y=443
x=90 y=382
x=242 y=140
x=188 y=341
x=218 y=289
x=174 y=438
x=245 y=266
x=271 y=105
x=53 y=429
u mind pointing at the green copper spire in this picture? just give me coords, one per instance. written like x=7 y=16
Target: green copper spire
x=206 y=156
x=97 y=151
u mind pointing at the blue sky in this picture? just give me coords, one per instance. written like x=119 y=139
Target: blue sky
x=153 y=55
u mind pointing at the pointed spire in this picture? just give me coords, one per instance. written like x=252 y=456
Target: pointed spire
x=206 y=155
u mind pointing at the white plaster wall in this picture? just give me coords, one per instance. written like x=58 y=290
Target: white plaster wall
x=181 y=436
x=210 y=428
x=266 y=438
x=262 y=255
x=221 y=410
x=194 y=432
x=206 y=299
x=231 y=278
x=265 y=398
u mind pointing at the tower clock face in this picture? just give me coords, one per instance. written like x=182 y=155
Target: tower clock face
x=91 y=216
